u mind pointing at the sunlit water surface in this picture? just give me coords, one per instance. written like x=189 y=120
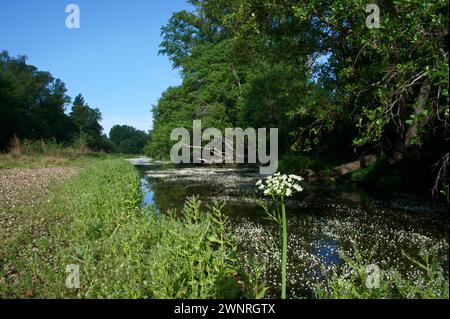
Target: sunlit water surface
x=321 y=220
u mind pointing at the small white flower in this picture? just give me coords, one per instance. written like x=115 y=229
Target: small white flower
x=280 y=185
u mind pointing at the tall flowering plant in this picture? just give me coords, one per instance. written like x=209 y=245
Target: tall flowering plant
x=279 y=187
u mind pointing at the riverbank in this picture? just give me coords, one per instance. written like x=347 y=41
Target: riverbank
x=9 y=161
x=94 y=222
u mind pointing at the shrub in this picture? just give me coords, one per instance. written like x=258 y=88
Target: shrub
x=295 y=163
x=49 y=148
x=81 y=143
x=195 y=255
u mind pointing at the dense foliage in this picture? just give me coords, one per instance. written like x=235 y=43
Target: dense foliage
x=336 y=89
x=127 y=139
x=33 y=107
x=32 y=102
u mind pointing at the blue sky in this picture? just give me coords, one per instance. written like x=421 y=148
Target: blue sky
x=112 y=59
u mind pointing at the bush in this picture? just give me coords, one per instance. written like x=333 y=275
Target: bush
x=195 y=255
x=44 y=147
x=49 y=148
x=295 y=163
x=407 y=174
x=81 y=143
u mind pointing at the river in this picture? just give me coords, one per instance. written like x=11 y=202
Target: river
x=323 y=219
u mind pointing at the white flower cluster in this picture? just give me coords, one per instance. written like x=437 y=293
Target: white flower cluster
x=280 y=185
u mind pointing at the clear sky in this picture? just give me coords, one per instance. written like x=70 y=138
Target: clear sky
x=112 y=59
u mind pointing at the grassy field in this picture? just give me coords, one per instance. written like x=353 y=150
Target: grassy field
x=8 y=161
x=94 y=221
x=49 y=153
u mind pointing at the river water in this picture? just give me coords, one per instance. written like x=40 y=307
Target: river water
x=322 y=220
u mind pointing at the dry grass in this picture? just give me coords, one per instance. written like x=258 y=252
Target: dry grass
x=12 y=160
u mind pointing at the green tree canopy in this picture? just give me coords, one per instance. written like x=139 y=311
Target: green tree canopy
x=32 y=103
x=335 y=88
x=128 y=139
x=87 y=121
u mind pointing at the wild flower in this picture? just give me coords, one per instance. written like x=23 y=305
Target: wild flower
x=279 y=187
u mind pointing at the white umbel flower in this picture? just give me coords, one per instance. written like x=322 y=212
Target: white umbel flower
x=280 y=185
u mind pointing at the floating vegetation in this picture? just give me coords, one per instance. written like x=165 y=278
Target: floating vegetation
x=324 y=221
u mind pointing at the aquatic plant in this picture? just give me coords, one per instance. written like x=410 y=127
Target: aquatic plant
x=279 y=187
x=426 y=280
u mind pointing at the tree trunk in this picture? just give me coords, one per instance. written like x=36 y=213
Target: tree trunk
x=403 y=141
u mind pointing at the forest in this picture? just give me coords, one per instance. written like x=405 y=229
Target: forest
x=35 y=106
x=336 y=89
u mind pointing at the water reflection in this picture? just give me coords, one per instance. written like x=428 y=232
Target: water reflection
x=149 y=194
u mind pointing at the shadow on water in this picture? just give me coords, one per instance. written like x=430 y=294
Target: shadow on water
x=321 y=220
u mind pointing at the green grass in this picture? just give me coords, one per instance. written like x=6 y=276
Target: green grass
x=49 y=153
x=8 y=161
x=95 y=221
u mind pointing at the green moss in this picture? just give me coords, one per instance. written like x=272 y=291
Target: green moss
x=361 y=175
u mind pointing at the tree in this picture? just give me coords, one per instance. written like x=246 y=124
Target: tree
x=336 y=89
x=128 y=139
x=32 y=103
x=87 y=121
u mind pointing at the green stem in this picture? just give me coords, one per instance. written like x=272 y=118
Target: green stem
x=283 y=251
